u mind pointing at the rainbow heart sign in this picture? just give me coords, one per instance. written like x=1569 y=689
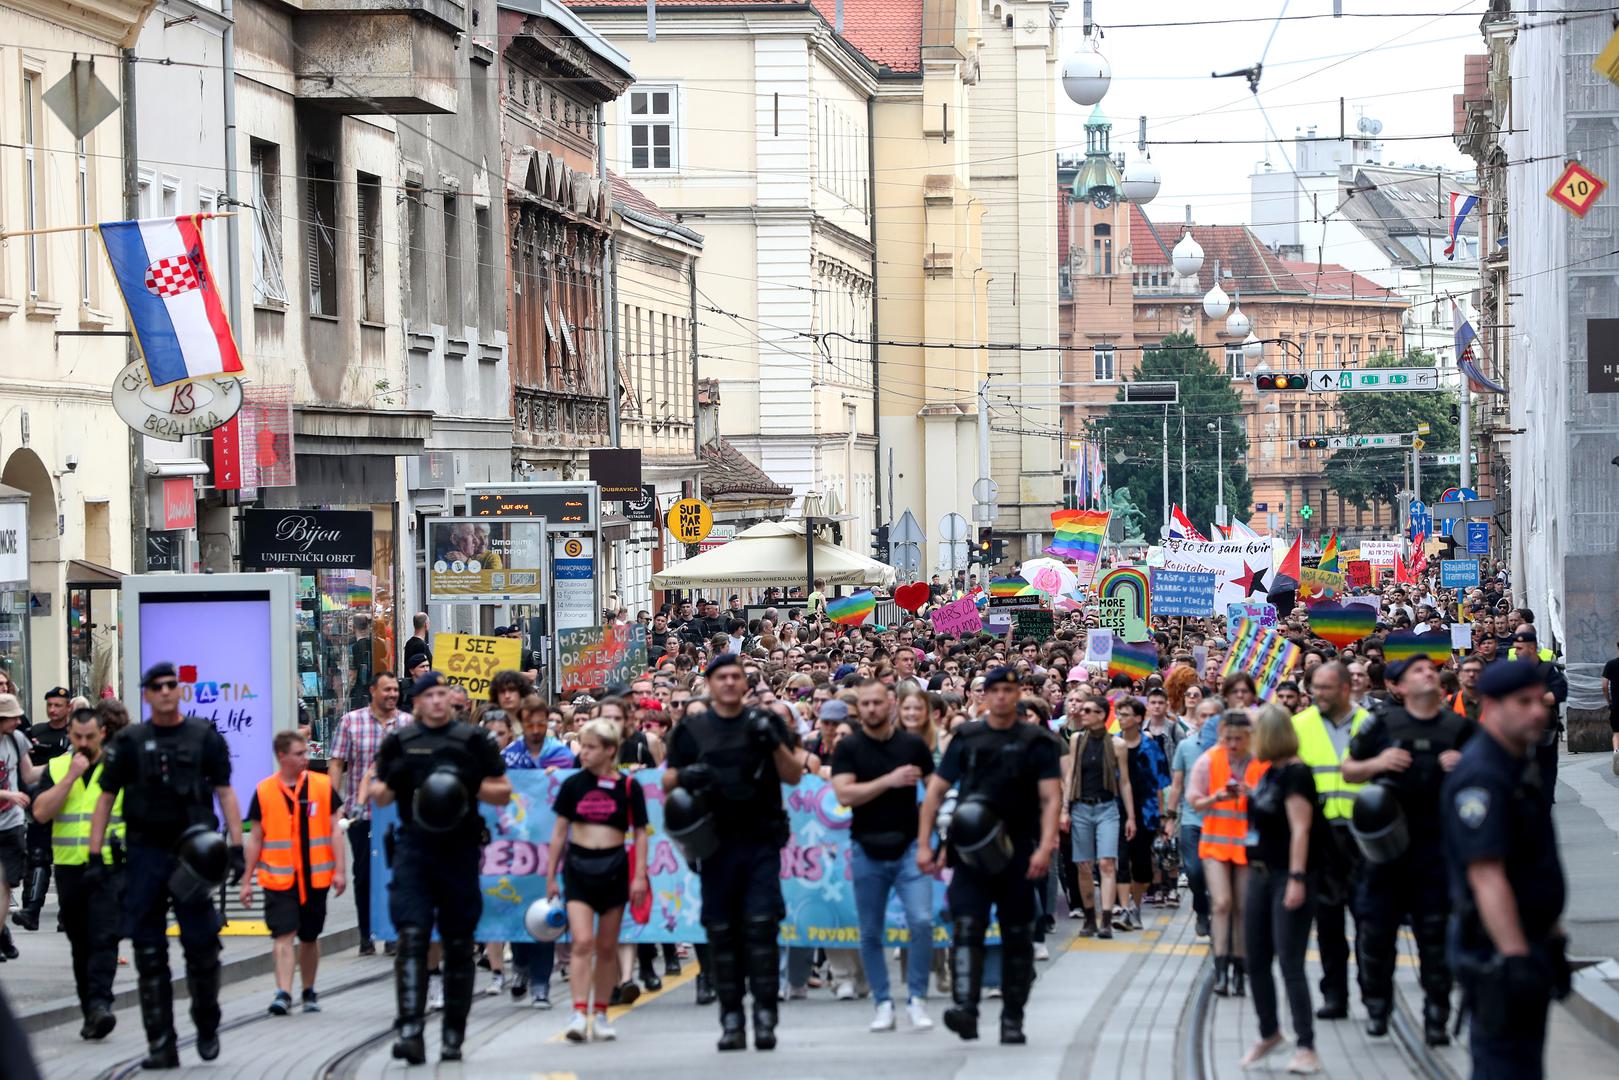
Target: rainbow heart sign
x=851 y=610
x=1341 y=624
x=913 y=596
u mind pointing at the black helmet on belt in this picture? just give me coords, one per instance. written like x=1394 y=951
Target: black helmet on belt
x=690 y=823
x=201 y=861
x=1378 y=823
x=979 y=837
x=441 y=801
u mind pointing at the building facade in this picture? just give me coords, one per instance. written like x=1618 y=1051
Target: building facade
x=61 y=330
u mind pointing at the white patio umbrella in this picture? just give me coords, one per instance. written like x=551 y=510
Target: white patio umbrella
x=772 y=553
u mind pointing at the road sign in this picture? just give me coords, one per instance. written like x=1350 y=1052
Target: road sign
x=907 y=531
x=1418 y=507
x=1423 y=428
x=953 y=529
x=985 y=490
x=1577 y=189
x=1452 y=459
x=1478 y=537
x=1345 y=380
x=1354 y=442
x=907 y=559
x=1458 y=573
x=1474 y=508
x=690 y=520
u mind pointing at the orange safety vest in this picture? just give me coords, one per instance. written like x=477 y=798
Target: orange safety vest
x=280 y=855
x=1225 y=824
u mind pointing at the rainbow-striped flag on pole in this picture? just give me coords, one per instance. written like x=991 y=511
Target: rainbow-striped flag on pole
x=1136 y=659
x=1078 y=534
x=1263 y=654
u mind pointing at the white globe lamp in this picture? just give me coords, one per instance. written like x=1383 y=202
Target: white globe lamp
x=1237 y=325
x=1216 y=303
x=1187 y=256
x=1085 y=77
x=1141 y=181
x=1252 y=347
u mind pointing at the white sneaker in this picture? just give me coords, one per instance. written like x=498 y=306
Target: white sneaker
x=844 y=991
x=1041 y=952
x=497 y=985
x=578 y=1029
x=917 y=1010
x=884 y=1020
x=601 y=1029
x=435 y=992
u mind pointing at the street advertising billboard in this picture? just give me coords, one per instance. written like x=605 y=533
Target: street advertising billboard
x=493 y=560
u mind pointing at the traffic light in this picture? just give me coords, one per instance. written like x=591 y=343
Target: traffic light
x=879 y=543
x=985 y=546
x=1447 y=547
x=1455 y=413
x=997 y=551
x=1314 y=443
x=1279 y=381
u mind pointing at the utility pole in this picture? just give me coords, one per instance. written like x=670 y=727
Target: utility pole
x=1416 y=467
x=132 y=209
x=1183 y=455
x=1219 y=474
x=1166 y=467
x=1465 y=434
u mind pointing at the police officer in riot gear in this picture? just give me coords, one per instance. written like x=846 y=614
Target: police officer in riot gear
x=1505 y=877
x=437 y=770
x=50 y=739
x=736 y=758
x=1409 y=749
x=1002 y=838
x=170 y=770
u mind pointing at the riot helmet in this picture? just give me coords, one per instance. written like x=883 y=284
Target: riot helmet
x=441 y=802
x=201 y=861
x=1378 y=824
x=979 y=836
x=689 y=821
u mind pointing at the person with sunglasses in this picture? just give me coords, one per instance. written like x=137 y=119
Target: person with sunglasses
x=1096 y=782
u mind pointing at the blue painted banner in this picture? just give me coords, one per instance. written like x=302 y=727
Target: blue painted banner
x=1182 y=592
x=815 y=869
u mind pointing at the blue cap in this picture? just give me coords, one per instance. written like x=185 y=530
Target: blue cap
x=1504 y=677
x=1000 y=675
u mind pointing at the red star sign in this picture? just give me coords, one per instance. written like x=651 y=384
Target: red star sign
x=1252 y=580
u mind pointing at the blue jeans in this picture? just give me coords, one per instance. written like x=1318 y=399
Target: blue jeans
x=1189 y=835
x=535 y=959
x=1093 y=830
x=873 y=880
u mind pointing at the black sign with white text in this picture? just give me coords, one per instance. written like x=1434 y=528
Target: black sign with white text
x=306 y=540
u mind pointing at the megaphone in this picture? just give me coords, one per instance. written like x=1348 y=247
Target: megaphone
x=546 y=919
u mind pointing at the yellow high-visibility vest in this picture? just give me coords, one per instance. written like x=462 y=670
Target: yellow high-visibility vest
x=1336 y=795
x=70 y=828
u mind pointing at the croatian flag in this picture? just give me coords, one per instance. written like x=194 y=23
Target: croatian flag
x=1467 y=356
x=174 y=307
x=1181 y=527
x=1460 y=206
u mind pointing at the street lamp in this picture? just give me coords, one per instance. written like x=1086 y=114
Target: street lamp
x=1187 y=256
x=1141 y=181
x=1218 y=427
x=1237 y=325
x=1086 y=75
x=1216 y=303
x=1252 y=347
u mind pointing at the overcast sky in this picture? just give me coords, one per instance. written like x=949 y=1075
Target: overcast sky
x=1399 y=70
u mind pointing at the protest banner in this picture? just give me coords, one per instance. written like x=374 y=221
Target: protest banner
x=1358 y=574
x=1182 y=592
x=1406 y=645
x=1123 y=602
x=1264 y=614
x=1242 y=567
x=471 y=661
x=1380 y=552
x=1341 y=624
x=1098 y=645
x=1313 y=581
x=1264 y=654
x=600 y=655
x=1038 y=624
x=515 y=864
x=958 y=617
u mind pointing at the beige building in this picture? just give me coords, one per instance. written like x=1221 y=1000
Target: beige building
x=61 y=326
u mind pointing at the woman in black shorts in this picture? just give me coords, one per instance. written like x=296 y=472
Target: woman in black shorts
x=596 y=810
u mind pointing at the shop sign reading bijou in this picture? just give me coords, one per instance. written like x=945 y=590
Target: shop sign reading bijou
x=173 y=412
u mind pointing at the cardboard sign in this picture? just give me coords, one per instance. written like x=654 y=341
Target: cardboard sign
x=1380 y=552
x=1359 y=574
x=958 y=617
x=1098 y=646
x=1314 y=581
x=1039 y=625
x=1264 y=614
x=472 y=662
x=1182 y=592
x=594 y=656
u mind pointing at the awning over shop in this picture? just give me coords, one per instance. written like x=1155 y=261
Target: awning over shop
x=89 y=575
x=772 y=553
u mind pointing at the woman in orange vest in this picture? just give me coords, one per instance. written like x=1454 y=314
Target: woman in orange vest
x=1218 y=789
x=291 y=845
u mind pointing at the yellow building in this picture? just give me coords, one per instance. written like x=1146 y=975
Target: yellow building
x=61 y=347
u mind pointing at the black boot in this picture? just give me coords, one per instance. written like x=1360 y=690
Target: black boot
x=202 y=980
x=8 y=948
x=764 y=977
x=725 y=950
x=157 y=1006
x=1334 y=1006
x=705 y=987
x=1106 y=929
x=98 y=1022
x=1017 y=976
x=1239 y=977
x=1088 y=927
x=1377 y=1019
x=967 y=976
x=1222 y=976
x=671 y=961
x=33 y=897
x=460 y=971
x=1436 y=1022
x=410 y=989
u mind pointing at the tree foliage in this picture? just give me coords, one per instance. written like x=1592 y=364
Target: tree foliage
x=1206 y=397
x=1371 y=476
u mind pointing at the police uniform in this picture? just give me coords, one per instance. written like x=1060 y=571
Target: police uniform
x=1002 y=767
x=729 y=761
x=1495 y=807
x=89 y=915
x=435 y=873
x=167 y=774
x=1411 y=886
x=49 y=744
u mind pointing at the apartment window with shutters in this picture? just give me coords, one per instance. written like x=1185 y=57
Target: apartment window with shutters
x=652 y=125
x=320 y=236
x=416 y=252
x=269 y=281
x=452 y=262
x=33 y=124
x=368 y=229
x=1104 y=362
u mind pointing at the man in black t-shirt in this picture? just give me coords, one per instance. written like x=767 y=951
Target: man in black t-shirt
x=1010 y=773
x=50 y=738
x=736 y=758
x=875 y=771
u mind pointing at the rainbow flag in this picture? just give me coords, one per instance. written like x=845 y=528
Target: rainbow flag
x=1136 y=659
x=1010 y=586
x=1078 y=534
x=851 y=610
x=1264 y=654
x=1341 y=624
x=1329 y=556
x=1435 y=645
